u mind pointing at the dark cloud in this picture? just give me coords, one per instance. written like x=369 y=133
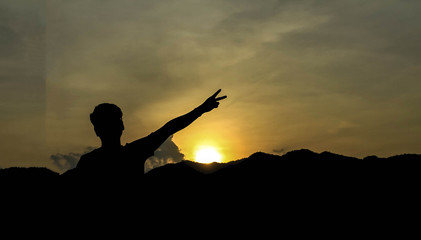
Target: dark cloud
x=328 y=61
x=68 y=161
x=22 y=83
x=9 y=41
x=167 y=153
x=279 y=150
x=308 y=64
x=386 y=28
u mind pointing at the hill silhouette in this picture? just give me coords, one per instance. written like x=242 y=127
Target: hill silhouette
x=31 y=173
x=299 y=174
x=304 y=163
x=300 y=189
x=315 y=190
x=324 y=172
x=261 y=168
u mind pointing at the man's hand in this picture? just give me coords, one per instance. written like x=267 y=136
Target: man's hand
x=212 y=102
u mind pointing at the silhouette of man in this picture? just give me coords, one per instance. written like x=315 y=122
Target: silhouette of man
x=112 y=160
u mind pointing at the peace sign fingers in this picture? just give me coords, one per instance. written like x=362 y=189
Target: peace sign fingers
x=212 y=102
x=216 y=94
x=221 y=98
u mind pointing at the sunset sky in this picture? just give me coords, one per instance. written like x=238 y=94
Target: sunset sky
x=338 y=76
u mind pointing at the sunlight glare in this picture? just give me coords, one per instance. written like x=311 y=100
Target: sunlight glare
x=207 y=154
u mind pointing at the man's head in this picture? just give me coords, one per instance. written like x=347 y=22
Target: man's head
x=107 y=121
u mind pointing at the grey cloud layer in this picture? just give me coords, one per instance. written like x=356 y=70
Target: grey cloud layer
x=167 y=153
x=307 y=66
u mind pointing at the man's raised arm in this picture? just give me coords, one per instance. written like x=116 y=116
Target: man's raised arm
x=175 y=125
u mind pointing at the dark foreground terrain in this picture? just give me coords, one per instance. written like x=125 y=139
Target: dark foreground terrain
x=300 y=174
x=319 y=190
x=300 y=170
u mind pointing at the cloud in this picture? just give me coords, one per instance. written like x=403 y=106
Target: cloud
x=68 y=161
x=307 y=66
x=342 y=128
x=279 y=150
x=22 y=83
x=167 y=153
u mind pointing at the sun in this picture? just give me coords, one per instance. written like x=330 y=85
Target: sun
x=207 y=154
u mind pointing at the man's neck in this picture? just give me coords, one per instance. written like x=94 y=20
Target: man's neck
x=110 y=144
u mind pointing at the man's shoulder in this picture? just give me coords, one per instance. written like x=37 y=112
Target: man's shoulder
x=91 y=154
x=88 y=157
x=139 y=149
